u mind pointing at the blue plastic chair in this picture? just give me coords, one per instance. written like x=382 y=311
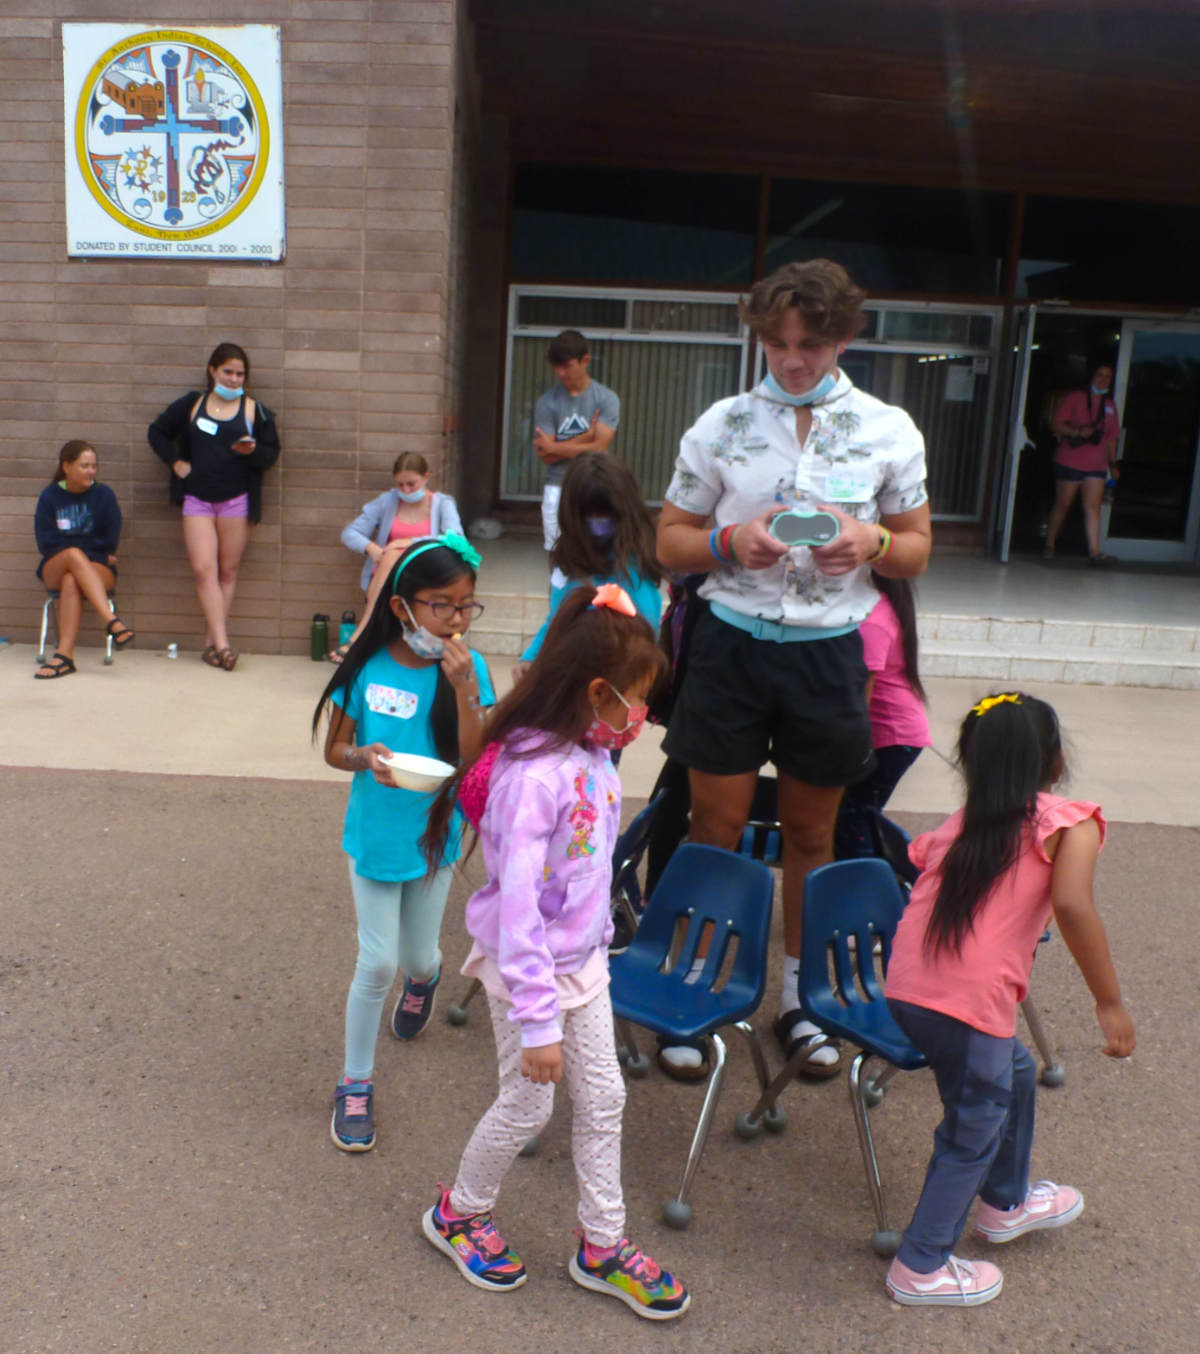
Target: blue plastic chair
x=848 y=907
x=703 y=891
x=626 y=893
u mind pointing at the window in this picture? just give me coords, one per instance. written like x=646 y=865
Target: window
x=588 y=223
x=1078 y=249
x=892 y=239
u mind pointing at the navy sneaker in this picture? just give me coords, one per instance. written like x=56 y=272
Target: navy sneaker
x=353 y=1126
x=412 y=1011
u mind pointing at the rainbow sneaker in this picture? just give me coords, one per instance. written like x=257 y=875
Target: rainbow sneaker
x=480 y=1252
x=635 y=1279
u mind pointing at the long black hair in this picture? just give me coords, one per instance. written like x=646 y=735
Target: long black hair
x=582 y=643
x=433 y=568
x=903 y=597
x=596 y=485
x=1009 y=749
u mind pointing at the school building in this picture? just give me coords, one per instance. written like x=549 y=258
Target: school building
x=1013 y=183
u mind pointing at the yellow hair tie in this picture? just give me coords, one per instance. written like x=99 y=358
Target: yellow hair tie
x=988 y=701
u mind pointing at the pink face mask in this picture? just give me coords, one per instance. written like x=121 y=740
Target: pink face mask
x=603 y=735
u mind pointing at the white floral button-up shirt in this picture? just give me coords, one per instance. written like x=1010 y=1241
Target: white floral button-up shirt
x=742 y=456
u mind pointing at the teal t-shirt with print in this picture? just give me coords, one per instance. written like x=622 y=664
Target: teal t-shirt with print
x=392 y=705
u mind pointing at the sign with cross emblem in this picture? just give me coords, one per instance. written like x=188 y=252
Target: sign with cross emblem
x=174 y=141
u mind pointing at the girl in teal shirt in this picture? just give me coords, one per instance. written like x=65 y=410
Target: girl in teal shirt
x=409 y=683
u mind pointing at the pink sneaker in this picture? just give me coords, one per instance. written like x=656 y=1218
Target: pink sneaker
x=959 y=1283
x=1046 y=1205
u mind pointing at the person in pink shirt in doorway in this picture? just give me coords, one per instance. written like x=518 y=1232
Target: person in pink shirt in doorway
x=1089 y=431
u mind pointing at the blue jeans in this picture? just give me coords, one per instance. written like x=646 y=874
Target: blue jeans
x=983 y=1143
x=398 y=928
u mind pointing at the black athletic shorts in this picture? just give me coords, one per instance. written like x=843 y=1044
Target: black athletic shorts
x=747 y=701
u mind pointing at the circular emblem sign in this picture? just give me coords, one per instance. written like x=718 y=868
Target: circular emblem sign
x=171 y=135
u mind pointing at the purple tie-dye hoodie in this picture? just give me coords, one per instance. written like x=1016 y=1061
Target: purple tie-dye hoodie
x=548 y=830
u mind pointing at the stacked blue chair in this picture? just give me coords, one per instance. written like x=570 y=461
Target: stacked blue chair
x=725 y=899
x=851 y=910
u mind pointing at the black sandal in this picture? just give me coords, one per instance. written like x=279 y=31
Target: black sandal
x=60 y=666
x=127 y=636
x=677 y=1073
x=792 y=1043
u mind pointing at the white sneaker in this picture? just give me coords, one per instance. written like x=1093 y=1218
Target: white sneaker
x=1046 y=1205
x=959 y=1283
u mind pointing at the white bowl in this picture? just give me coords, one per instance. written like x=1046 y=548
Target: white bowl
x=411 y=772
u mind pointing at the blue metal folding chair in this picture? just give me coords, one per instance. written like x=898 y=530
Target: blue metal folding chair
x=849 y=906
x=708 y=893
x=626 y=895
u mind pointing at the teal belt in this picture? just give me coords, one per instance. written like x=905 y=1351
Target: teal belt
x=775 y=630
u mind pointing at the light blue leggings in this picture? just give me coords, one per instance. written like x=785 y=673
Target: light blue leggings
x=398 y=928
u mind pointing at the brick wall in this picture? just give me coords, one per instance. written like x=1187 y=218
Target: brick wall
x=347 y=337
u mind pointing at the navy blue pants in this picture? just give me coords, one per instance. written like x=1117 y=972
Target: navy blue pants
x=983 y=1143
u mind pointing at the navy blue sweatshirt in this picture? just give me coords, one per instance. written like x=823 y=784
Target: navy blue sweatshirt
x=90 y=521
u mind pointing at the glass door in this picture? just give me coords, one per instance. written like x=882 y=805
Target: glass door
x=1156 y=509
x=1018 y=438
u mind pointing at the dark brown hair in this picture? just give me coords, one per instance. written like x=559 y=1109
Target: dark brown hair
x=221 y=354
x=566 y=347
x=822 y=291
x=584 y=642
x=70 y=453
x=596 y=485
x=410 y=460
x=903 y=596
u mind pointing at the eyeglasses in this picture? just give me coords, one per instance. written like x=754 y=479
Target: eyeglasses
x=446 y=611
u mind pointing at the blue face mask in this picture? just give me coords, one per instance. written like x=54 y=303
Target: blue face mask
x=818 y=392
x=414 y=497
x=424 y=643
x=226 y=392
x=602 y=528
x=1099 y=390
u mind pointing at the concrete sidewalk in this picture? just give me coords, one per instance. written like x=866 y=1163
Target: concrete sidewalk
x=1131 y=749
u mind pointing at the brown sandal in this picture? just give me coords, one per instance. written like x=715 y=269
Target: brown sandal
x=226 y=659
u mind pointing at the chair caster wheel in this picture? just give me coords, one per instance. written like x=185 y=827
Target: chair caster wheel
x=637 y=1065
x=885 y=1243
x=531 y=1148
x=775 y=1119
x=456 y=1014
x=872 y=1095
x=677 y=1214
x=1054 y=1076
x=746 y=1127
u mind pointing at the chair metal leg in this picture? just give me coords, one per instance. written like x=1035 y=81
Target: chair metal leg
x=885 y=1241
x=108 y=646
x=635 y=1062
x=41 y=653
x=772 y=1114
x=1053 y=1073
x=677 y=1211
x=783 y=1078
x=457 y=1014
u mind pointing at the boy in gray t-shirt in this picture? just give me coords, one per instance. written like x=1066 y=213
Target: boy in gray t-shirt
x=575 y=416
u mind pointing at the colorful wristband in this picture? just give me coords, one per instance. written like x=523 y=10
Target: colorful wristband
x=886 y=541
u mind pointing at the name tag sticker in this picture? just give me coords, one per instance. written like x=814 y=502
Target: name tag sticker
x=390 y=700
x=206 y=425
x=846 y=487
x=64 y=524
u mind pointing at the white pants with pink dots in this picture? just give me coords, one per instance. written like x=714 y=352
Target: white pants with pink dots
x=522 y=1109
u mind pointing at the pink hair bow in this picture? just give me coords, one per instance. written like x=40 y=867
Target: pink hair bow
x=615 y=598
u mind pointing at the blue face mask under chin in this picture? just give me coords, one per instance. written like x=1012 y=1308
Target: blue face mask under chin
x=227 y=392
x=424 y=643
x=818 y=392
x=415 y=497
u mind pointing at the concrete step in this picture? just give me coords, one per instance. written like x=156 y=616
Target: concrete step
x=985 y=647
x=1100 y=653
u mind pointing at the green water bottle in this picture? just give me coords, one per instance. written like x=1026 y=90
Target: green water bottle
x=319 y=637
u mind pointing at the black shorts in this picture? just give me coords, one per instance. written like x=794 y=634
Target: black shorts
x=746 y=702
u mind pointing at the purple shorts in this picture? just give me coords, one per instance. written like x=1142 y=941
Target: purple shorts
x=229 y=507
